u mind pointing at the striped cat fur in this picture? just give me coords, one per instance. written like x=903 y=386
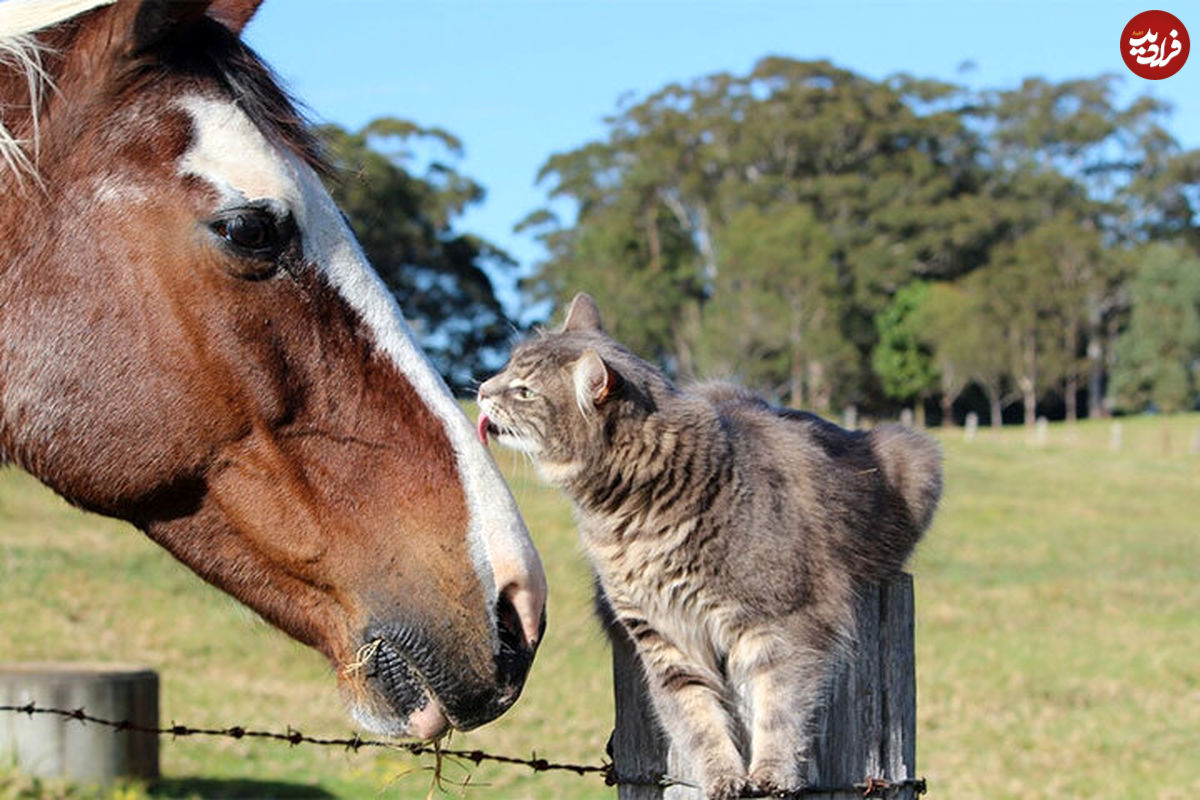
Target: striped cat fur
x=728 y=536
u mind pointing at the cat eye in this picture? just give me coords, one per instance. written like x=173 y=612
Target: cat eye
x=525 y=393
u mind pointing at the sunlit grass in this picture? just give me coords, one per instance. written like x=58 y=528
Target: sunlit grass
x=1058 y=601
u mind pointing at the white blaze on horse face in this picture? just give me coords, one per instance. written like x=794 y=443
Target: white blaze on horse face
x=233 y=155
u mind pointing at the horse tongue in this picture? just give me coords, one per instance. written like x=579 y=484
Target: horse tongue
x=482 y=427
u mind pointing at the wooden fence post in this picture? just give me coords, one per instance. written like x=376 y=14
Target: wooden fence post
x=866 y=730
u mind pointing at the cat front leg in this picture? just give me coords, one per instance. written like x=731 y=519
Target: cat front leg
x=780 y=671
x=687 y=696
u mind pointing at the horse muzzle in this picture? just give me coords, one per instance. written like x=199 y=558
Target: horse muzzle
x=428 y=686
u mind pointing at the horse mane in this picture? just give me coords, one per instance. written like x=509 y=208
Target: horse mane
x=250 y=82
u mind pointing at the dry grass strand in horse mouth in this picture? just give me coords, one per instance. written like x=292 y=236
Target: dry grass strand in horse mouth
x=362 y=657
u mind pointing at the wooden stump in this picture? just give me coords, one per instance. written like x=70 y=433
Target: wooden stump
x=866 y=730
x=56 y=747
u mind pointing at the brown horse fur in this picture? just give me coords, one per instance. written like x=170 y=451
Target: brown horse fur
x=246 y=416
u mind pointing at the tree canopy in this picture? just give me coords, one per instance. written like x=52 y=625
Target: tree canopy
x=831 y=239
x=405 y=224
x=828 y=238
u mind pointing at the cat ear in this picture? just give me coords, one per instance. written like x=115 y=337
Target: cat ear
x=584 y=315
x=594 y=380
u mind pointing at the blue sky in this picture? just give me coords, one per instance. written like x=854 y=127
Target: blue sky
x=519 y=80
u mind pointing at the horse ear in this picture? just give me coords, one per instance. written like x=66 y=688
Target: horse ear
x=138 y=25
x=583 y=315
x=233 y=14
x=594 y=380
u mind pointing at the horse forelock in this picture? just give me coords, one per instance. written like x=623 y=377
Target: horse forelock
x=205 y=52
x=22 y=52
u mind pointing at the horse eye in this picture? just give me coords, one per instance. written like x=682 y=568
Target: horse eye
x=252 y=233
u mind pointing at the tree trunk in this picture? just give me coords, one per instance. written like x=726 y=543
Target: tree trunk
x=947 y=410
x=919 y=413
x=995 y=409
x=686 y=331
x=1027 y=381
x=1095 y=355
x=1029 y=401
x=1072 y=370
x=796 y=335
x=704 y=241
x=653 y=239
x=796 y=383
x=818 y=390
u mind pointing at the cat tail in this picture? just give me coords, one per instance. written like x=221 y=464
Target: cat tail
x=912 y=466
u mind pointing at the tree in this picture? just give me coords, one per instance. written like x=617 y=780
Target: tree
x=405 y=224
x=903 y=359
x=775 y=326
x=1080 y=175
x=767 y=225
x=886 y=170
x=646 y=292
x=1158 y=356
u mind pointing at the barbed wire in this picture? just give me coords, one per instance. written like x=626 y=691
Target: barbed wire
x=869 y=787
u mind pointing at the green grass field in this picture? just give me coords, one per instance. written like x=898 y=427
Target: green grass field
x=1058 y=637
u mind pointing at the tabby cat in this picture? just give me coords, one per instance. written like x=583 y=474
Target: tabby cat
x=727 y=535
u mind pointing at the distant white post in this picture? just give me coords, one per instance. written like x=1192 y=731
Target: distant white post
x=1041 y=431
x=971 y=428
x=56 y=747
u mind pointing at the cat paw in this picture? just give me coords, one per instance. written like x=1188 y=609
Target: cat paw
x=724 y=786
x=776 y=779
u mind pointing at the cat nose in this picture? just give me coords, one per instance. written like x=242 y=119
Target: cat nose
x=486 y=388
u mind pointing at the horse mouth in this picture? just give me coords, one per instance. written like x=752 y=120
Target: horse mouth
x=405 y=690
x=416 y=697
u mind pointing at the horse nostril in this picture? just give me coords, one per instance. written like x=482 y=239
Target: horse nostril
x=516 y=651
x=523 y=609
x=508 y=624
x=520 y=622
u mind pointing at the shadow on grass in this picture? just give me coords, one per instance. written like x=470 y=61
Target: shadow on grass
x=235 y=789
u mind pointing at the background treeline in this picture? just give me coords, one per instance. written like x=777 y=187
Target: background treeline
x=832 y=240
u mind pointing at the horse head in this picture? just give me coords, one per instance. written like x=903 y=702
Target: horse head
x=192 y=340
